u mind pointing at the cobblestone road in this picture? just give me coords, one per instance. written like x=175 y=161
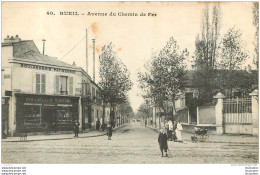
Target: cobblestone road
x=132 y=143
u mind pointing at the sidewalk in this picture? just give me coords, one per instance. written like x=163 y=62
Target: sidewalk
x=60 y=136
x=225 y=138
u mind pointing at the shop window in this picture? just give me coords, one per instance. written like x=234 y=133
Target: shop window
x=64 y=85
x=29 y=116
x=40 y=83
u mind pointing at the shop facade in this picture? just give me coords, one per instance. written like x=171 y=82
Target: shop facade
x=40 y=113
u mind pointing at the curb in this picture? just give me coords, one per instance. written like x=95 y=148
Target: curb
x=65 y=138
x=242 y=143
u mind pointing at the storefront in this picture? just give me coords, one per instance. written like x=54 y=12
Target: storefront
x=40 y=113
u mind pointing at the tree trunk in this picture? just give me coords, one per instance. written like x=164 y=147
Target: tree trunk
x=104 y=113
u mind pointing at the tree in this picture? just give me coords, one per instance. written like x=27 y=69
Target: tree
x=125 y=110
x=206 y=53
x=114 y=79
x=256 y=24
x=146 y=110
x=232 y=51
x=164 y=76
x=232 y=56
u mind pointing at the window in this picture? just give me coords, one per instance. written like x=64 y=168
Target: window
x=84 y=88
x=40 y=83
x=93 y=94
x=64 y=85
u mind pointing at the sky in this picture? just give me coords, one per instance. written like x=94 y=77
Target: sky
x=134 y=37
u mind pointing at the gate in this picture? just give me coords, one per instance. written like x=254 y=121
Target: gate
x=238 y=116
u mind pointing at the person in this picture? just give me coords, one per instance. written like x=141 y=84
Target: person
x=98 y=125
x=109 y=131
x=178 y=132
x=162 y=140
x=145 y=122
x=174 y=131
x=166 y=125
x=76 y=128
x=170 y=124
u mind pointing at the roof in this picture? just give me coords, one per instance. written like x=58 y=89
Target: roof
x=33 y=56
x=220 y=74
x=26 y=50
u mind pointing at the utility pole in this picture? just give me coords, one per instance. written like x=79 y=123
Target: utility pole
x=43 y=46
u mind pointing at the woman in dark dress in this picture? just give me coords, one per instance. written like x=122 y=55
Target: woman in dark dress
x=162 y=139
x=109 y=131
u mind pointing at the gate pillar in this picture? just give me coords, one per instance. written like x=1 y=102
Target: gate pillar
x=254 y=97
x=219 y=113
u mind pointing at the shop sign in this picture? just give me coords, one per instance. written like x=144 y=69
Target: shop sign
x=46 y=100
x=47 y=68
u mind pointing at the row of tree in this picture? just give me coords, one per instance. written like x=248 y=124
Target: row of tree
x=115 y=83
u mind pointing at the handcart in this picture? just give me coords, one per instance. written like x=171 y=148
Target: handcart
x=200 y=134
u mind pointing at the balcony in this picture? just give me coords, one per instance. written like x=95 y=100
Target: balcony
x=63 y=92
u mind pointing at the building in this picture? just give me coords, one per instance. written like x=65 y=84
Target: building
x=236 y=117
x=41 y=93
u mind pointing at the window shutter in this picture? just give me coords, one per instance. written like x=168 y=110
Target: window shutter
x=57 y=88
x=38 y=83
x=70 y=85
x=43 y=83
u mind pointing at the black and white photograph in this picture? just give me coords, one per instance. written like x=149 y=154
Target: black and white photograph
x=130 y=83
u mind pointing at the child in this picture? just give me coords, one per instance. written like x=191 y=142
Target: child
x=162 y=139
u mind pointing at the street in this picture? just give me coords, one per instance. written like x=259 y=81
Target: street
x=133 y=143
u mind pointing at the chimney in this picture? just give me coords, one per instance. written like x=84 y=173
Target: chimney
x=11 y=39
x=94 y=49
x=7 y=39
x=73 y=64
x=43 y=40
x=17 y=39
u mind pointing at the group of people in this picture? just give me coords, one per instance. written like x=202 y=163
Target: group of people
x=108 y=127
x=171 y=131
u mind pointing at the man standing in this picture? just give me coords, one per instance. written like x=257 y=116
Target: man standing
x=109 y=131
x=76 y=128
x=98 y=125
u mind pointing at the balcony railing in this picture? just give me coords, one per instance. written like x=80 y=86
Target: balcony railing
x=63 y=92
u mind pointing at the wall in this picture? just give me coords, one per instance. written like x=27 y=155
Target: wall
x=182 y=116
x=238 y=129
x=206 y=115
x=7 y=53
x=24 y=79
